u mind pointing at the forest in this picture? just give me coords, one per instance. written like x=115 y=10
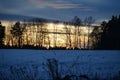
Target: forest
x=37 y=34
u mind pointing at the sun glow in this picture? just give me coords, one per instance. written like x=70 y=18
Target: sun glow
x=53 y=35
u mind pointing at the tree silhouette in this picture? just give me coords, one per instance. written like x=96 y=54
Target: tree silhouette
x=40 y=23
x=55 y=32
x=68 y=34
x=103 y=24
x=2 y=35
x=96 y=36
x=77 y=23
x=88 y=22
x=110 y=38
x=17 y=31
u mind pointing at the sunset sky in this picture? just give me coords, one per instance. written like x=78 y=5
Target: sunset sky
x=62 y=9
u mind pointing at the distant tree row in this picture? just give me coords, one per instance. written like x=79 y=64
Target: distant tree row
x=42 y=35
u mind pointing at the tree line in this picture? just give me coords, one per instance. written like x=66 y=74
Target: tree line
x=110 y=37
x=104 y=37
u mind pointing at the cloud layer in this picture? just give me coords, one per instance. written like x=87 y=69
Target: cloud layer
x=58 y=4
x=62 y=9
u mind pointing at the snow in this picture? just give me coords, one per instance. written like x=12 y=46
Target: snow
x=91 y=62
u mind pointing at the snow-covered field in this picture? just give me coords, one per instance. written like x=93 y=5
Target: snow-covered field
x=103 y=64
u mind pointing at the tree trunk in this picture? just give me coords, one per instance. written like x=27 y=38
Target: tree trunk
x=88 y=37
x=84 y=41
x=19 y=41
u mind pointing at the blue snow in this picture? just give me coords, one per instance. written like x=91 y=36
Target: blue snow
x=103 y=62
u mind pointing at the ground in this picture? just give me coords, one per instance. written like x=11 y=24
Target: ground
x=103 y=64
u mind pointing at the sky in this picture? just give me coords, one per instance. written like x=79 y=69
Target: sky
x=63 y=10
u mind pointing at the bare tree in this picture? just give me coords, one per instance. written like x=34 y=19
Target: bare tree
x=8 y=36
x=77 y=23
x=40 y=23
x=48 y=37
x=95 y=35
x=89 y=21
x=24 y=32
x=84 y=41
x=68 y=34
x=17 y=31
x=55 y=32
